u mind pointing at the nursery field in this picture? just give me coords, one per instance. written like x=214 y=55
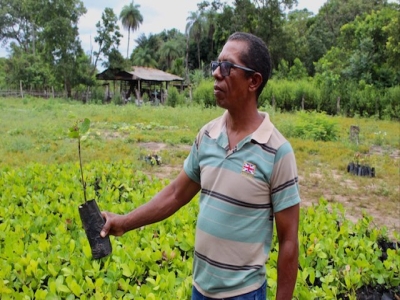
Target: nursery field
x=349 y=229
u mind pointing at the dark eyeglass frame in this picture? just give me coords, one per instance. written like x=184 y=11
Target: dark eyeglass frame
x=226 y=66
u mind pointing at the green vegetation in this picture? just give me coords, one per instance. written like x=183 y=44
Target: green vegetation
x=44 y=250
x=342 y=60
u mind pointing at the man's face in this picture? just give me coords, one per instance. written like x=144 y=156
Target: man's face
x=231 y=91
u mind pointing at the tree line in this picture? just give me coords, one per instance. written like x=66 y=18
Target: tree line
x=348 y=43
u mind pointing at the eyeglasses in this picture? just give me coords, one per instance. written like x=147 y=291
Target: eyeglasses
x=225 y=67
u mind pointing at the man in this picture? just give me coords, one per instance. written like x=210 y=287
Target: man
x=246 y=172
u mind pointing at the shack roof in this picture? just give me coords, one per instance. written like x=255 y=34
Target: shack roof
x=138 y=73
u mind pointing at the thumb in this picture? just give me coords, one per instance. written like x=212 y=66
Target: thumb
x=106 y=227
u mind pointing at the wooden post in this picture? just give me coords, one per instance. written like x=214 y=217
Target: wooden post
x=354 y=133
x=20 y=88
x=302 y=102
x=87 y=94
x=273 y=102
x=338 y=106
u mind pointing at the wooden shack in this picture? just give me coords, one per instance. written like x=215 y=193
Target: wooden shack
x=139 y=81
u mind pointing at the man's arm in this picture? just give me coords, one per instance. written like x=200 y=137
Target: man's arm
x=171 y=198
x=287 y=223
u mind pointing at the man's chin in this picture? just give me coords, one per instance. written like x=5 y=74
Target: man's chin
x=220 y=103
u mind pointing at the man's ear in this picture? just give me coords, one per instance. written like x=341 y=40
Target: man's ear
x=255 y=81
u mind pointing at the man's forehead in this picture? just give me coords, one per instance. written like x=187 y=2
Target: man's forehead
x=232 y=51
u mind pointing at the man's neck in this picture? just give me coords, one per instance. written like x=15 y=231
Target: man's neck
x=243 y=121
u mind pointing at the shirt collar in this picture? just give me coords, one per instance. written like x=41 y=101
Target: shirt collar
x=261 y=135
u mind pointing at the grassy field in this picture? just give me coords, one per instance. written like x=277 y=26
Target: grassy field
x=36 y=131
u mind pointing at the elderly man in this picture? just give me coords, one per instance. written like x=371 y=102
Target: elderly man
x=246 y=173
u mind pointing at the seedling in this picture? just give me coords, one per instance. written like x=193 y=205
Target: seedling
x=77 y=132
x=89 y=212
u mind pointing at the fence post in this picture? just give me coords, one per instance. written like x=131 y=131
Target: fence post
x=273 y=102
x=20 y=88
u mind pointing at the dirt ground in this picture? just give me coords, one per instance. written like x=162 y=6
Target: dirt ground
x=312 y=187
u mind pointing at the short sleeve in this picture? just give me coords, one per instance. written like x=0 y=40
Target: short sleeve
x=284 y=180
x=191 y=164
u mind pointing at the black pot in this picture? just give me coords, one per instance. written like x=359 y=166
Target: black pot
x=93 y=222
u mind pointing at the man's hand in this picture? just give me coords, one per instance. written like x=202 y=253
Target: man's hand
x=114 y=224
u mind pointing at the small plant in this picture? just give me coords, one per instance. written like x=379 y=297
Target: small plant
x=89 y=212
x=380 y=138
x=77 y=132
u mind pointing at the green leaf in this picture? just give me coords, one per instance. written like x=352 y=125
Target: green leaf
x=75 y=288
x=126 y=271
x=67 y=271
x=74 y=132
x=85 y=125
x=52 y=270
x=89 y=282
x=322 y=254
x=77 y=131
x=151 y=280
x=63 y=288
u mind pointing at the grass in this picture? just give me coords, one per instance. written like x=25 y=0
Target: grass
x=36 y=130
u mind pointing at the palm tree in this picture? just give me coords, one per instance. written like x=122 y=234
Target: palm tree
x=143 y=57
x=131 y=19
x=169 y=51
x=195 y=27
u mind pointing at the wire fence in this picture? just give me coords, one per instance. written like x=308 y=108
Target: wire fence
x=83 y=96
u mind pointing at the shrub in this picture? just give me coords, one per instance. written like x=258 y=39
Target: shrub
x=390 y=103
x=204 y=94
x=312 y=125
x=289 y=95
x=174 y=98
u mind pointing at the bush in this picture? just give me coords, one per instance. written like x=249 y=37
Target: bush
x=312 y=125
x=289 y=95
x=174 y=98
x=204 y=94
x=390 y=103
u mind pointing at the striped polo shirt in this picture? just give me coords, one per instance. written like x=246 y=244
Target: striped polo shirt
x=241 y=188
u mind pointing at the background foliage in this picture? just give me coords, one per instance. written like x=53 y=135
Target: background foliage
x=348 y=52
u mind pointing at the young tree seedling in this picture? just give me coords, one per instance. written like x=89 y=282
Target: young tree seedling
x=77 y=132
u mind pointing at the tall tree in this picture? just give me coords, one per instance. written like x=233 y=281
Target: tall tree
x=108 y=35
x=195 y=27
x=143 y=57
x=270 y=25
x=131 y=19
x=61 y=36
x=171 y=47
x=370 y=59
x=147 y=50
x=18 y=24
x=325 y=30
x=295 y=31
x=169 y=51
x=210 y=11
x=116 y=60
x=50 y=32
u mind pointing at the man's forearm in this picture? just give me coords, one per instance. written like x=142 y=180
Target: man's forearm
x=177 y=194
x=159 y=208
x=287 y=270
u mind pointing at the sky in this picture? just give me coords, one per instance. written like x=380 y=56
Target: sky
x=157 y=16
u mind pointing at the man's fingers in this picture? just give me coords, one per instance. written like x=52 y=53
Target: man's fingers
x=106 y=227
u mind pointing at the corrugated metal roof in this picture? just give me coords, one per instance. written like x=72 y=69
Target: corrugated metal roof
x=145 y=73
